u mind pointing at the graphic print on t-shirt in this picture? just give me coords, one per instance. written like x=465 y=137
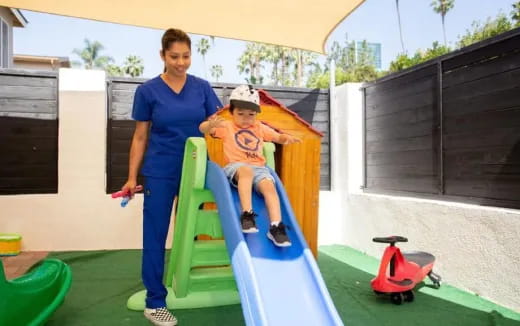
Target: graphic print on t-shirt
x=247 y=140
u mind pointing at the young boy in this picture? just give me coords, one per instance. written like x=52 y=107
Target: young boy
x=243 y=140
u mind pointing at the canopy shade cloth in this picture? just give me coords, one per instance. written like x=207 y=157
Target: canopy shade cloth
x=303 y=24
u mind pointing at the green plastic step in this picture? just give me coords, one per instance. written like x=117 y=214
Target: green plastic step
x=210 y=253
x=212 y=279
x=208 y=223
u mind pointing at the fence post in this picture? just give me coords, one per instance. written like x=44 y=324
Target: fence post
x=364 y=135
x=440 y=128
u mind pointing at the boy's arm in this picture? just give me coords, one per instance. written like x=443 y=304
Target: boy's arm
x=286 y=139
x=213 y=122
x=269 y=134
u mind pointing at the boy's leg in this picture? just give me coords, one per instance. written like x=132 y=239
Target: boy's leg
x=277 y=231
x=268 y=190
x=244 y=178
x=158 y=201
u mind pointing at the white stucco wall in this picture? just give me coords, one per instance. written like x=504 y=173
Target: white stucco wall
x=81 y=216
x=476 y=247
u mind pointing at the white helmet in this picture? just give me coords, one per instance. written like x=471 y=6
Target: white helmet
x=245 y=97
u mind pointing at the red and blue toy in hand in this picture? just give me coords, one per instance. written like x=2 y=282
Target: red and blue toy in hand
x=126 y=195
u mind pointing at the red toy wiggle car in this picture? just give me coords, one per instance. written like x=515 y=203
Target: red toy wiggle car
x=400 y=272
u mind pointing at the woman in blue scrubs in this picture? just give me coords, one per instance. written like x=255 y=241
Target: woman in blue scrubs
x=171 y=106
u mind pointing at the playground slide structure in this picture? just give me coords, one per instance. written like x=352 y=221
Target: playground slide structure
x=276 y=286
x=32 y=298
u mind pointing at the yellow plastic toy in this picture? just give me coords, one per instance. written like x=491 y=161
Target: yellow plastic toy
x=10 y=244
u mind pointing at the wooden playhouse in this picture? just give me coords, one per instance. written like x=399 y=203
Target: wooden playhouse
x=298 y=165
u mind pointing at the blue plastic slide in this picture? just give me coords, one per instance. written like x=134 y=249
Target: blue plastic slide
x=278 y=286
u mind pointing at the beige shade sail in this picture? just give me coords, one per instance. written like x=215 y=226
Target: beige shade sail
x=303 y=24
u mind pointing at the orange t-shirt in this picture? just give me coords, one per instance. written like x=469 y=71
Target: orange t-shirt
x=244 y=145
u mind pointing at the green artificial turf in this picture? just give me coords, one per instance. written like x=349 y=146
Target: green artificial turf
x=103 y=280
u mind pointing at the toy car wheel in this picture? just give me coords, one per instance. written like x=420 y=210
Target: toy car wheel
x=408 y=296
x=396 y=298
x=437 y=284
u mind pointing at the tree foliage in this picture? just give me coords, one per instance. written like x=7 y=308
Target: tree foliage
x=403 y=61
x=515 y=14
x=90 y=55
x=216 y=72
x=114 y=70
x=251 y=62
x=442 y=7
x=203 y=47
x=133 y=66
x=353 y=64
x=480 y=31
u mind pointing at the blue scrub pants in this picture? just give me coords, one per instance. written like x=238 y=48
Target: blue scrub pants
x=158 y=202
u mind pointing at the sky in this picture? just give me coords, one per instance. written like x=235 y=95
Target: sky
x=374 y=21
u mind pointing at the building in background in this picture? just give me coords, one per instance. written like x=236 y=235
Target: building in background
x=9 y=18
x=375 y=52
x=38 y=62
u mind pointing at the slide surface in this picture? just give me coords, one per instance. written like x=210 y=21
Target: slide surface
x=278 y=286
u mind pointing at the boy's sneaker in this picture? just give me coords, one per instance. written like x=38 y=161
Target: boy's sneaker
x=160 y=316
x=247 y=219
x=278 y=235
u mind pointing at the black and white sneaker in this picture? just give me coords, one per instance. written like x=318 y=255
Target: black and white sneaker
x=278 y=235
x=160 y=316
x=247 y=219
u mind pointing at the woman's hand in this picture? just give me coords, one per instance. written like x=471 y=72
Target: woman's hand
x=129 y=187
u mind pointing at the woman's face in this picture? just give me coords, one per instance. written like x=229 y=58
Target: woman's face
x=244 y=118
x=177 y=59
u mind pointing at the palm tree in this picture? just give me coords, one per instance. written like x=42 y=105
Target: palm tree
x=217 y=71
x=442 y=7
x=251 y=60
x=515 y=14
x=273 y=57
x=202 y=48
x=302 y=59
x=90 y=55
x=399 y=22
x=285 y=62
x=133 y=66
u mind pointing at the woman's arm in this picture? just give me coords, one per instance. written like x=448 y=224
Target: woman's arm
x=137 y=149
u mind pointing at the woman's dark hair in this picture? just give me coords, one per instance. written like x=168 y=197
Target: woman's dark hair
x=173 y=35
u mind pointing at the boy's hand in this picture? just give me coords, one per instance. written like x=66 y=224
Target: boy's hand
x=215 y=121
x=288 y=139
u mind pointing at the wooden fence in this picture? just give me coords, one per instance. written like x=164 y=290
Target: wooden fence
x=28 y=132
x=450 y=127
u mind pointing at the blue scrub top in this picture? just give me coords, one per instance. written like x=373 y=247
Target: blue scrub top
x=174 y=117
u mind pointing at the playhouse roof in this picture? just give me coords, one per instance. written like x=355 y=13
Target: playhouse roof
x=266 y=99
